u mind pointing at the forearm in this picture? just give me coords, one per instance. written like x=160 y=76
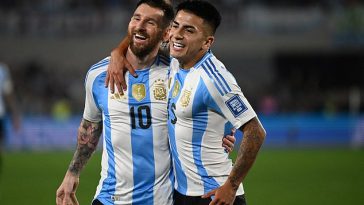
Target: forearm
x=254 y=135
x=88 y=137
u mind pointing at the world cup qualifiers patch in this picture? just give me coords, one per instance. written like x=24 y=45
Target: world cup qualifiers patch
x=236 y=105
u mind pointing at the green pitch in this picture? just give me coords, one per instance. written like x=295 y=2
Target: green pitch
x=279 y=177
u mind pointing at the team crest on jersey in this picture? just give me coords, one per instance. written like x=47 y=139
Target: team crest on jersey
x=159 y=90
x=177 y=86
x=138 y=91
x=185 y=99
x=236 y=105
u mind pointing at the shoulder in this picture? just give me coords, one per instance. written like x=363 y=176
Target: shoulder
x=163 y=60
x=97 y=68
x=213 y=72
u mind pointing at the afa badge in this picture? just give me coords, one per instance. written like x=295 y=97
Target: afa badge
x=176 y=88
x=138 y=91
x=236 y=105
x=159 y=90
x=185 y=99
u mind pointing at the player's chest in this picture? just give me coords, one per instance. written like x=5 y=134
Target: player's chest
x=186 y=95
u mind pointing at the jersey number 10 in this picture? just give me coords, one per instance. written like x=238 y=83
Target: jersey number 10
x=142 y=113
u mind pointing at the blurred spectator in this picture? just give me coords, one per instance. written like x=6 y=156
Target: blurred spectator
x=7 y=102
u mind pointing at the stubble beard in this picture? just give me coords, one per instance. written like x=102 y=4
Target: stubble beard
x=143 y=50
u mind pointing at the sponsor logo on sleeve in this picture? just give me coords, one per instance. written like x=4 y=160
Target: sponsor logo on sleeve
x=236 y=105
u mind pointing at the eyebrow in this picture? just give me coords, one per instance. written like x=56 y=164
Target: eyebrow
x=185 y=26
x=147 y=18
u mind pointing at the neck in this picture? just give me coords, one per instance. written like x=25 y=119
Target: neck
x=188 y=64
x=141 y=63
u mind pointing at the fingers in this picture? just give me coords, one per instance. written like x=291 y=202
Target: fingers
x=227 y=144
x=74 y=199
x=233 y=130
x=131 y=69
x=111 y=83
x=67 y=200
x=121 y=83
x=107 y=78
x=59 y=197
x=231 y=138
x=209 y=194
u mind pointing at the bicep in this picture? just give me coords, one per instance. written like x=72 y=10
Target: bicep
x=89 y=132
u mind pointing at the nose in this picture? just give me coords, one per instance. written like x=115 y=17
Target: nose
x=177 y=33
x=140 y=25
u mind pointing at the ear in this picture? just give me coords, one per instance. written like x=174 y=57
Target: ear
x=166 y=34
x=208 y=42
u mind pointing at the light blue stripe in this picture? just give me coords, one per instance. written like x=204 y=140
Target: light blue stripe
x=101 y=97
x=180 y=174
x=219 y=74
x=142 y=143
x=200 y=120
x=209 y=74
x=216 y=77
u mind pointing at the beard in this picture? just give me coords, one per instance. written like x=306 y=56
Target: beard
x=142 y=51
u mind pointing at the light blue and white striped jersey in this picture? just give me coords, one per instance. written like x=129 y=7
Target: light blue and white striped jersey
x=136 y=164
x=205 y=102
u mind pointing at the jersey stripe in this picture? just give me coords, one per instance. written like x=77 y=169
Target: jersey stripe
x=216 y=78
x=142 y=139
x=208 y=72
x=102 y=63
x=207 y=56
x=164 y=60
x=199 y=127
x=110 y=181
x=219 y=74
x=181 y=178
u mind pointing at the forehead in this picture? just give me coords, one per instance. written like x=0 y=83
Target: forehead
x=149 y=12
x=187 y=18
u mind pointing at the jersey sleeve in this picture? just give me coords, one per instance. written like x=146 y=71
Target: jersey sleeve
x=225 y=94
x=91 y=111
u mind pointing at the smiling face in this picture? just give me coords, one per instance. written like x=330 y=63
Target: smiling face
x=189 y=39
x=144 y=30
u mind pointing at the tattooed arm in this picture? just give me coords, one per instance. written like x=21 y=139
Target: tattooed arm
x=254 y=135
x=88 y=137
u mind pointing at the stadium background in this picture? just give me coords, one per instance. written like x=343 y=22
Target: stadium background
x=300 y=63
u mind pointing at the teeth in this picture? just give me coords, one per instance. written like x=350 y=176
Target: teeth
x=140 y=36
x=178 y=45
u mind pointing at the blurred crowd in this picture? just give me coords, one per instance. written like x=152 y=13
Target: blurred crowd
x=297 y=86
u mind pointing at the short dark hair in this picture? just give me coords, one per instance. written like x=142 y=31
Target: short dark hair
x=162 y=5
x=204 y=10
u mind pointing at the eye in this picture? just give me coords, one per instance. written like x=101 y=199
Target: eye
x=151 y=23
x=135 y=18
x=189 y=30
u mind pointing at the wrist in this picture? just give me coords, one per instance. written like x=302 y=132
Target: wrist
x=232 y=183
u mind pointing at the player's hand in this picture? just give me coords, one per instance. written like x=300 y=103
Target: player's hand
x=116 y=72
x=66 y=193
x=224 y=195
x=228 y=141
